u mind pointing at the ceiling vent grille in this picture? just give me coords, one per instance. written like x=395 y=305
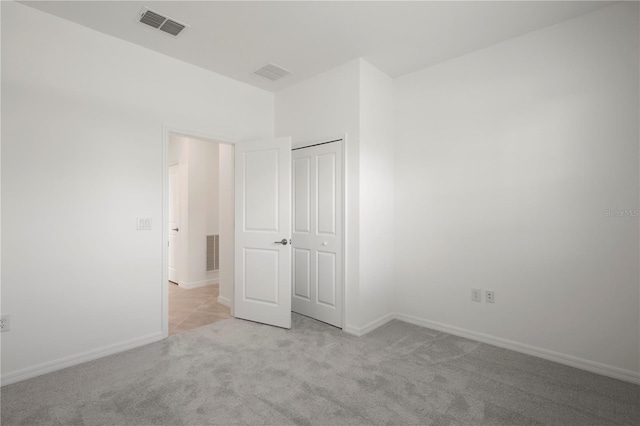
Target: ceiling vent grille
x=172 y=27
x=160 y=22
x=272 y=72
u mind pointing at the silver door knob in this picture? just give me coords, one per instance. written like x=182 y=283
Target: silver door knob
x=284 y=242
x=175 y=229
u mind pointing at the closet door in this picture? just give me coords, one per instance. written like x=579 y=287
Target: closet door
x=317 y=287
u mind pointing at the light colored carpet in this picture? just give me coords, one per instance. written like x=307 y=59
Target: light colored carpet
x=238 y=372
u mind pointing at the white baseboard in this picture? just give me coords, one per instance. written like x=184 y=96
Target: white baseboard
x=350 y=329
x=224 y=301
x=197 y=284
x=69 y=361
x=572 y=361
x=361 y=331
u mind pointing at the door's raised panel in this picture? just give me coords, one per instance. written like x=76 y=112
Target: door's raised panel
x=261 y=275
x=326 y=193
x=301 y=273
x=261 y=190
x=301 y=194
x=326 y=278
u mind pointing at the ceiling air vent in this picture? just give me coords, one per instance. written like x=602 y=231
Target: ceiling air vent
x=272 y=72
x=160 y=22
x=172 y=27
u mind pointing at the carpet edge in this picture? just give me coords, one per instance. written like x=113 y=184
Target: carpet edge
x=565 y=359
x=70 y=361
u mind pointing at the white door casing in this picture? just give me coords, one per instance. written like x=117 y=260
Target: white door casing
x=318 y=232
x=262 y=290
x=174 y=222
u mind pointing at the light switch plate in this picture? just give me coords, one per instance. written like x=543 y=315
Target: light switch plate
x=476 y=295
x=143 y=223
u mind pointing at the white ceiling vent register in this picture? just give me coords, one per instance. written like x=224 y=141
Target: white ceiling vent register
x=160 y=22
x=272 y=72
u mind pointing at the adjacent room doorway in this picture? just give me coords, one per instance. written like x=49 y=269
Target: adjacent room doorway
x=198 y=196
x=278 y=199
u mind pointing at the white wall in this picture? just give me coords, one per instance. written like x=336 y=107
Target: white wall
x=81 y=159
x=507 y=160
x=377 y=240
x=203 y=210
x=328 y=106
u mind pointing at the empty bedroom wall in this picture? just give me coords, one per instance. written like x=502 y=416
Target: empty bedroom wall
x=377 y=169
x=517 y=171
x=82 y=157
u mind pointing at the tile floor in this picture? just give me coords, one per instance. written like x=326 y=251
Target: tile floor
x=193 y=308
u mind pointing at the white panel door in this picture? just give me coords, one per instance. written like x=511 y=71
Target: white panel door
x=174 y=222
x=262 y=290
x=317 y=232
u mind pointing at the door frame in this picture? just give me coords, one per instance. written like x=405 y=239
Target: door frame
x=166 y=130
x=345 y=184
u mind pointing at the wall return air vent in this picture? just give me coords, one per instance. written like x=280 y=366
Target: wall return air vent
x=272 y=72
x=160 y=22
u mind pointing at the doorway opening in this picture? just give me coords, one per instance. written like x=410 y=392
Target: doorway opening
x=255 y=226
x=199 y=232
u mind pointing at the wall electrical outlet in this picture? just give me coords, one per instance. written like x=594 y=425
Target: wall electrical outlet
x=490 y=296
x=476 y=295
x=5 y=322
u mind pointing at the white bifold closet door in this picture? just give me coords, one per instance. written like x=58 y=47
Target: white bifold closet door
x=317 y=289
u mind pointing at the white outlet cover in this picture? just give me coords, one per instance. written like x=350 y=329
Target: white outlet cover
x=5 y=322
x=490 y=296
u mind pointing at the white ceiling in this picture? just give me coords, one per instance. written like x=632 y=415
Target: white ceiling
x=308 y=38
